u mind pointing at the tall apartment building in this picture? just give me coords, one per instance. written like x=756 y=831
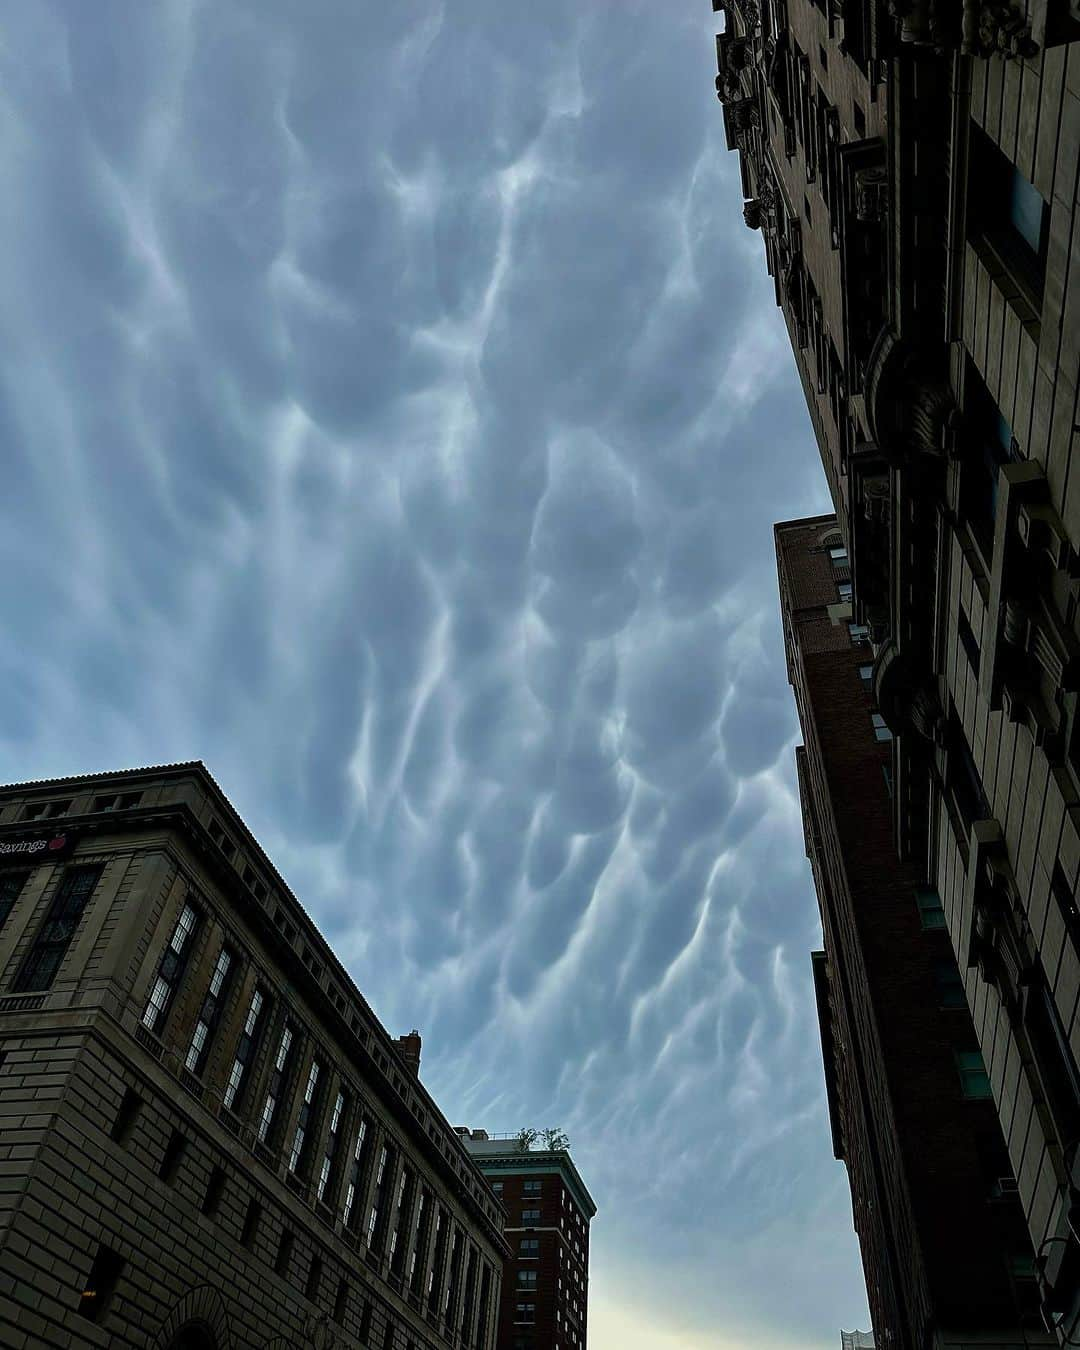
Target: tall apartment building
x=913 y=168
x=945 y=1249
x=207 y=1140
x=545 y=1288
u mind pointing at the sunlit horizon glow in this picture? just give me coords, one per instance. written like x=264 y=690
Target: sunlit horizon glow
x=397 y=412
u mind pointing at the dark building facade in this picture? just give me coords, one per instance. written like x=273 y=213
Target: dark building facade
x=945 y=1249
x=207 y=1139
x=548 y=1212
x=913 y=168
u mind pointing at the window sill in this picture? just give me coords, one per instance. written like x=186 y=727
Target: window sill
x=1014 y=277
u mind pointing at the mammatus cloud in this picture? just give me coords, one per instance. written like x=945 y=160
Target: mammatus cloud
x=397 y=413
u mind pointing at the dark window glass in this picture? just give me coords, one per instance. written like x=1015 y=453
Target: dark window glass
x=974 y=1080
x=11 y=884
x=174 y=1151
x=314 y=1279
x=949 y=985
x=1006 y=210
x=171 y=969
x=126 y=1116
x=967 y=640
x=284 y=1252
x=215 y=1186
x=341 y=1300
x=100 y=1284
x=931 y=910
x=54 y=936
x=210 y=1013
x=251 y=1223
x=246 y=1047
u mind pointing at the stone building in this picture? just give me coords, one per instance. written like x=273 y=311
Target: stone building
x=207 y=1139
x=945 y=1249
x=545 y=1289
x=913 y=169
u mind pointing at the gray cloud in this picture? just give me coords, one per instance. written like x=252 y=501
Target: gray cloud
x=394 y=413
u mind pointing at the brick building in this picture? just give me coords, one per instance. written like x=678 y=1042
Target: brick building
x=913 y=168
x=207 y=1139
x=545 y=1290
x=945 y=1249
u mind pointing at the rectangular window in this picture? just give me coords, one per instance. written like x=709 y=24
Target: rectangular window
x=931 y=910
x=949 y=985
x=100 y=1284
x=11 y=884
x=530 y=1247
x=844 y=589
x=437 y=1265
x=530 y=1216
x=314 y=1279
x=398 y=1234
x=497 y=1187
x=284 y=1253
x=419 y=1248
x=361 y=1148
x=839 y=556
x=859 y=634
x=307 y=1112
x=524 y=1313
x=881 y=729
x=246 y=1048
x=215 y=1187
x=1007 y=213
x=341 y=1300
x=210 y=1013
x=526 y=1279
x=974 y=1080
x=866 y=674
x=1066 y=902
x=376 y=1219
x=251 y=1223
x=126 y=1116
x=531 y=1188
x=174 y=1151
x=967 y=640
x=54 y=936
x=171 y=970
x=279 y=1081
x=330 y=1153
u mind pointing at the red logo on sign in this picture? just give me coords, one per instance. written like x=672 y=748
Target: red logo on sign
x=58 y=842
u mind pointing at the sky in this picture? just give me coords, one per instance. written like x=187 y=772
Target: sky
x=393 y=414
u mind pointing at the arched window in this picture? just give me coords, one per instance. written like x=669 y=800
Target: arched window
x=194 y=1336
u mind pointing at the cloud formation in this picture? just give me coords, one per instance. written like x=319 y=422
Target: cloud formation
x=396 y=413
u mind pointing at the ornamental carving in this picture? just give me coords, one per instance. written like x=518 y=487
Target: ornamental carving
x=871 y=194
x=996 y=29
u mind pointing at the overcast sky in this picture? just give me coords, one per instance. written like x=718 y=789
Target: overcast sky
x=393 y=414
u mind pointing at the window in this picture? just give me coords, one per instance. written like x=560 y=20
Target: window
x=806 y=210
x=839 y=556
x=211 y=1011
x=251 y=1223
x=356 y=1174
x=931 y=910
x=246 y=1047
x=1007 y=213
x=171 y=969
x=215 y=1187
x=859 y=118
x=174 y=1151
x=949 y=985
x=530 y=1247
x=823 y=57
x=117 y=802
x=331 y=1146
x=399 y=1236
x=100 y=1284
x=126 y=1116
x=284 y=1253
x=974 y=1080
x=967 y=640
x=526 y=1279
x=46 y=810
x=881 y=729
x=844 y=587
x=376 y=1219
x=54 y=936
x=303 y=1122
x=423 y=1212
x=11 y=883
x=866 y=674
x=531 y=1188
x=859 y=634
x=278 y=1082
x=530 y=1216
x=497 y=1187
x=341 y=1300
x=524 y=1313
x=314 y=1279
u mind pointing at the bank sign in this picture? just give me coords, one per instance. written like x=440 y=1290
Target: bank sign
x=41 y=848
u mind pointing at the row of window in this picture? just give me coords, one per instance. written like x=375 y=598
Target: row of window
x=52 y=810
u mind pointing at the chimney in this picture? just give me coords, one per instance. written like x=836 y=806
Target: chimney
x=409 y=1050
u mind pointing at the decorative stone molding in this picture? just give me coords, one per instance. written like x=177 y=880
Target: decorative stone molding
x=201 y=1309
x=907 y=405
x=871 y=194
